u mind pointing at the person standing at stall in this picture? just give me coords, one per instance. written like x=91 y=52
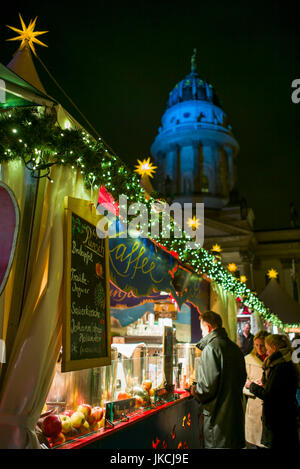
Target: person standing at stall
x=278 y=393
x=219 y=390
x=246 y=339
x=254 y=362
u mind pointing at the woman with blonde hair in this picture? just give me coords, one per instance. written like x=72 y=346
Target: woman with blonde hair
x=278 y=393
x=254 y=361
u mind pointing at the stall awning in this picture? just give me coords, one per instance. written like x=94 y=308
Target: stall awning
x=14 y=91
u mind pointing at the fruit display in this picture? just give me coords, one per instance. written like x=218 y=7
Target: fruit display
x=147 y=385
x=77 y=419
x=66 y=423
x=52 y=426
x=123 y=395
x=139 y=391
x=71 y=423
x=138 y=401
x=143 y=394
x=85 y=409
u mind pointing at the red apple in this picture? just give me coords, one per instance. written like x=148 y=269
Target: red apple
x=98 y=412
x=77 y=419
x=52 y=426
x=92 y=418
x=59 y=439
x=68 y=412
x=66 y=423
x=85 y=409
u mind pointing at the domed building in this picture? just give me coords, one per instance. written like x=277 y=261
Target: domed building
x=195 y=149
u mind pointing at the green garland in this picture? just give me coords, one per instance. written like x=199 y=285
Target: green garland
x=35 y=137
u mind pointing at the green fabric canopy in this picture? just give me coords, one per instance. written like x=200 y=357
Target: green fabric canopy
x=14 y=91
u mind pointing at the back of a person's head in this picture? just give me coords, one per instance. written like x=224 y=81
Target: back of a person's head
x=212 y=318
x=261 y=335
x=279 y=340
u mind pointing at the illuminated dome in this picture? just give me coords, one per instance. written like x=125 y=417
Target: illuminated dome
x=195 y=149
x=193 y=87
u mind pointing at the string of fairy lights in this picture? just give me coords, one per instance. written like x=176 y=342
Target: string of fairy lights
x=33 y=135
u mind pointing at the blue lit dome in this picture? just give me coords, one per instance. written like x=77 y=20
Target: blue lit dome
x=195 y=149
x=193 y=87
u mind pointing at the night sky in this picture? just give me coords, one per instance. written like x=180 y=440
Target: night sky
x=119 y=62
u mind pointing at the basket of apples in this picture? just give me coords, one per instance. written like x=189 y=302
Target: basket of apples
x=69 y=424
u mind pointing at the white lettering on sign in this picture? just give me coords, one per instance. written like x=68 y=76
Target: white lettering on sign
x=295 y=94
x=2 y=91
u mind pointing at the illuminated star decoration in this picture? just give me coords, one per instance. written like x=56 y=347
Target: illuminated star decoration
x=193 y=223
x=232 y=267
x=243 y=278
x=27 y=35
x=272 y=273
x=145 y=167
x=216 y=248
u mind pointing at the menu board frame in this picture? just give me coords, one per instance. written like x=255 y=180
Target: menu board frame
x=87 y=211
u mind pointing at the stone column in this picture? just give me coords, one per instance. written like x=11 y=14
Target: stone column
x=223 y=171
x=215 y=153
x=230 y=167
x=178 y=176
x=198 y=167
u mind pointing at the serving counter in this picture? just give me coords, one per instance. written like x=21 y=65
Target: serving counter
x=128 y=404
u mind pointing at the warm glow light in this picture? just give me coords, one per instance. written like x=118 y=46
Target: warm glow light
x=27 y=35
x=243 y=278
x=193 y=223
x=232 y=267
x=272 y=273
x=145 y=167
x=216 y=248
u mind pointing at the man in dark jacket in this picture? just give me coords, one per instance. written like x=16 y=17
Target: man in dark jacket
x=221 y=377
x=246 y=340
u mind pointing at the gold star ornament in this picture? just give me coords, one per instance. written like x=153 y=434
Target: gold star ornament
x=27 y=35
x=243 y=278
x=272 y=273
x=193 y=223
x=145 y=168
x=216 y=248
x=232 y=267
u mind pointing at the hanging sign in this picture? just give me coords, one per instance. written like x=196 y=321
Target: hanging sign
x=86 y=325
x=121 y=299
x=9 y=227
x=191 y=287
x=137 y=265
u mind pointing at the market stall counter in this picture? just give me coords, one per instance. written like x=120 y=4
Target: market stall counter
x=172 y=425
x=127 y=405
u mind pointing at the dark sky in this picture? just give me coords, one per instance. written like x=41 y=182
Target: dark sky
x=119 y=62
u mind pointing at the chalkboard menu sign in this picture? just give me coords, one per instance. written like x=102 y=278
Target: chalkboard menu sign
x=168 y=354
x=86 y=326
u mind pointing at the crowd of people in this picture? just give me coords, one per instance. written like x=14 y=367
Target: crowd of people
x=247 y=391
